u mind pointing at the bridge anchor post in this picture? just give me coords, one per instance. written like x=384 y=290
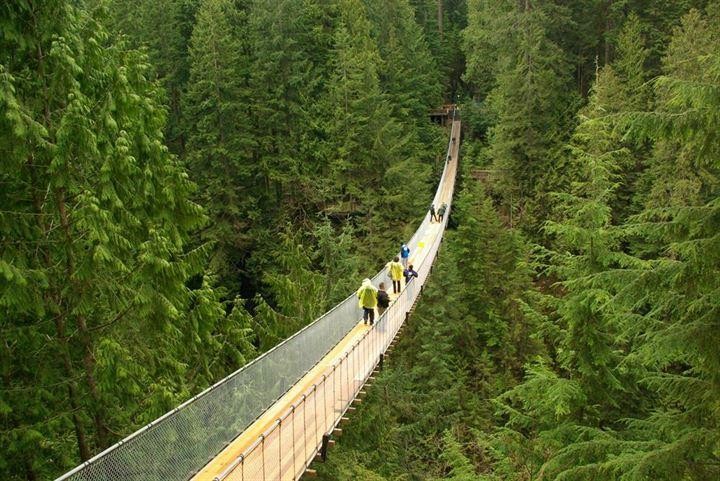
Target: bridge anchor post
x=324 y=447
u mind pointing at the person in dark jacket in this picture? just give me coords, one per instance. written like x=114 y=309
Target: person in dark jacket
x=383 y=299
x=433 y=216
x=441 y=211
x=409 y=273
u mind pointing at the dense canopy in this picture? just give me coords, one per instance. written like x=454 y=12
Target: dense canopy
x=185 y=183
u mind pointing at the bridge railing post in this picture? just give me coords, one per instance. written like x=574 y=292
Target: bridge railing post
x=262 y=452
x=315 y=413
x=279 y=421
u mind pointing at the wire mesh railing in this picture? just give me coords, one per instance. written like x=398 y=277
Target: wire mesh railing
x=177 y=445
x=286 y=449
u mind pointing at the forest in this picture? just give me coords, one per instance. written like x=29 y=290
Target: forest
x=186 y=183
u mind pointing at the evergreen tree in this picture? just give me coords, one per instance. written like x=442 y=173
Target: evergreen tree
x=291 y=43
x=409 y=80
x=488 y=263
x=634 y=94
x=669 y=303
x=219 y=152
x=409 y=75
x=163 y=27
x=529 y=101
x=653 y=309
x=298 y=290
x=94 y=304
x=631 y=57
x=360 y=129
x=460 y=467
x=340 y=270
x=442 y=22
x=587 y=244
x=582 y=390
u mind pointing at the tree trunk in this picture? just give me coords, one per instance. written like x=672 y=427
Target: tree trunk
x=64 y=350
x=81 y=324
x=83 y=448
x=440 y=18
x=608 y=27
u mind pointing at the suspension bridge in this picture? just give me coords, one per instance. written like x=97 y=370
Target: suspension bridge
x=269 y=420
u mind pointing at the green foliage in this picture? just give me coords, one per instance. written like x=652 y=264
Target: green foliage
x=95 y=301
x=421 y=415
x=527 y=94
x=362 y=129
x=620 y=333
x=637 y=364
x=301 y=130
x=218 y=148
x=339 y=269
x=163 y=27
x=460 y=468
x=290 y=48
x=442 y=22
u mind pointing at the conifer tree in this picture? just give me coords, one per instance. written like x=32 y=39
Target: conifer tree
x=442 y=21
x=298 y=290
x=219 y=151
x=484 y=253
x=635 y=94
x=529 y=99
x=461 y=469
x=96 y=218
x=586 y=391
x=408 y=78
x=668 y=303
x=409 y=75
x=341 y=271
x=586 y=243
x=361 y=130
x=658 y=307
x=629 y=64
x=163 y=27
x=291 y=43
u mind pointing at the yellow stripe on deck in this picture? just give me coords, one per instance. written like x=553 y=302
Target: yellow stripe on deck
x=270 y=417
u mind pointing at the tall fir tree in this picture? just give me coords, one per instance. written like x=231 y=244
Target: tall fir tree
x=360 y=129
x=291 y=41
x=220 y=145
x=529 y=101
x=669 y=303
x=164 y=28
x=94 y=301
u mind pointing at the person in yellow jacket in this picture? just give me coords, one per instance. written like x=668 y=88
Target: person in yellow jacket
x=395 y=272
x=367 y=297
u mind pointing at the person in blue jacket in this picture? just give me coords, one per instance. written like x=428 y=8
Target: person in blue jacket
x=404 y=255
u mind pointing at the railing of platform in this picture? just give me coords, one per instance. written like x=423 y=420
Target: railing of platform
x=180 y=443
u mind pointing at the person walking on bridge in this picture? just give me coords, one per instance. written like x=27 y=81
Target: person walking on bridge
x=404 y=255
x=441 y=211
x=368 y=297
x=395 y=272
x=433 y=216
x=383 y=300
x=409 y=273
